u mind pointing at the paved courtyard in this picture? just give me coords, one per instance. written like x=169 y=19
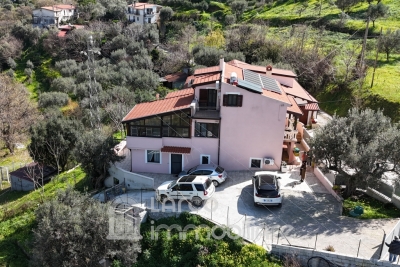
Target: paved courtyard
x=309 y=216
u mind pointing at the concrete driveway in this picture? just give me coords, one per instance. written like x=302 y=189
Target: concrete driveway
x=309 y=216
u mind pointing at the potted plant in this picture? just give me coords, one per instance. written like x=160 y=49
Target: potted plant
x=284 y=167
x=336 y=188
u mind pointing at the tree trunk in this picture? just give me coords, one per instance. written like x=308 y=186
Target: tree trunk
x=10 y=147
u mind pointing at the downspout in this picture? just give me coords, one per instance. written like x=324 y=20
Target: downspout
x=219 y=140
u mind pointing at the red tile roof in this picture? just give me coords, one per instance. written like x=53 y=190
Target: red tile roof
x=294 y=108
x=176 y=149
x=142 y=5
x=178 y=93
x=175 y=77
x=298 y=91
x=311 y=106
x=62 y=33
x=207 y=70
x=58 y=7
x=280 y=97
x=206 y=78
x=173 y=101
x=187 y=82
x=261 y=69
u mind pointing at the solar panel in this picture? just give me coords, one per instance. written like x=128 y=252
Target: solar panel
x=252 y=77
x=262 y=81
x=250 y=86
x=270 y=84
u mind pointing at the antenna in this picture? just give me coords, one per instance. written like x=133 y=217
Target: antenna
x=93 y=92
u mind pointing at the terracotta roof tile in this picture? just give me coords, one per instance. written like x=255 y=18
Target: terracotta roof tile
x=181 y=100
x=298 y=91
x=311 y=106
x=142 y=5
x=294 y=108
x=179 y=93
x=180 y=76
x=58 y=7
x=62 y=33
x=206 y=78
x=280 y=97
x=261 y=69
x=187 y=82
x=207 y=70
x=176 y=149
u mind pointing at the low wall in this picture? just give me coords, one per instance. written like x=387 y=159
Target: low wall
x=388 y=239
x=377 y=195
x=304 y=254
x=396 y=201
x=132 y=180
x=328 y=185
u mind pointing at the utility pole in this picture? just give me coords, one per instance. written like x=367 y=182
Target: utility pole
x=376 y=58
x=93 y=92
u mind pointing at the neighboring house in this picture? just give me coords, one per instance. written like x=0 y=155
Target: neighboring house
x=31 y=176
x=142 y=13
x=175 y=80
x=234 y=115
x=52 y=15
x=65 y=29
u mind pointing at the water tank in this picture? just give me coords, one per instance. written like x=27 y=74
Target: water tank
x=234 y=79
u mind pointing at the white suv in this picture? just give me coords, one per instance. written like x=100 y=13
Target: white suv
x=192 y=188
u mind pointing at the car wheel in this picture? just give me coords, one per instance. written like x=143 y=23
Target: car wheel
x=216 y=184
x=196 y=201
x=255 y=204
x=163 y=198
x=279 y=205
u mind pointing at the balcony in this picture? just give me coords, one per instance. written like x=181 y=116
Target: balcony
x=290 y=136
x=149 y=14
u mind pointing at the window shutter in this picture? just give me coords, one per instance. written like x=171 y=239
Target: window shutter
x=225 y=100
x=239 y=100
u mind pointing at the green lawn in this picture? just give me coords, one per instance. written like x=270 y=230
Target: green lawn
x=373 y=209
x=17 y=216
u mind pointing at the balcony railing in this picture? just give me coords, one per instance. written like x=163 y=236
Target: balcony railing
x=290 y=136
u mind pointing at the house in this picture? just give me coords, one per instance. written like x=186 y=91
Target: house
x=142 y=13
x=175 y=80
x=65 y=29
x=52 y=15
x=235 y=115
x=31 y=176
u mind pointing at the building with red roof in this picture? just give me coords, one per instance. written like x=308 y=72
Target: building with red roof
x=52 y=15
x=142 y=13
x=235 y=115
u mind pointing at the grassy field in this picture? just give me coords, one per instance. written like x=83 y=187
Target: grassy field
x=17 y=216
x=373 y=209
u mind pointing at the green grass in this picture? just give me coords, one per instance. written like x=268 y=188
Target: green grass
x=17 y=215
x=373 y=209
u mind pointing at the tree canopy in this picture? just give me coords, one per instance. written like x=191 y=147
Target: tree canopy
x=72 y=230
x=361 y=147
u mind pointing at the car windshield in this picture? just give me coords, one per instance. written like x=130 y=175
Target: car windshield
x=171 y=184
x=207 y=184
x=219 y=169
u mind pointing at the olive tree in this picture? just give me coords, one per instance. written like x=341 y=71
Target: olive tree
x=359 y=147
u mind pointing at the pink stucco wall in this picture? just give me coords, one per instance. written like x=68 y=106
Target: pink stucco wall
x=199 y=146
x=254 y=130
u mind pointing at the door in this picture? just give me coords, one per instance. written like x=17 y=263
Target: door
x=176 y=163
x=208 y=99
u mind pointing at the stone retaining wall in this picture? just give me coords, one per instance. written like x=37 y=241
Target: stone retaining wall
x=304 y=254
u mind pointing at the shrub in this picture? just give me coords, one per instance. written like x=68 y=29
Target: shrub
x=330 y=248
x=11 y=63
x=230 y=19
x=53 y=99
x=29 y=64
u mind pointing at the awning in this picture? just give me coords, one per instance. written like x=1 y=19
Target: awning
x=311 y=106
x=176 y=149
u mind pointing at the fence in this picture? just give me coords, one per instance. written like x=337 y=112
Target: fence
x=387 y=239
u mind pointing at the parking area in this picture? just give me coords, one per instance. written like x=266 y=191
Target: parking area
x=309 y=216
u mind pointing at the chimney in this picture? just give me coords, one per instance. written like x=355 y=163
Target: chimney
x=269 y=71
x=157 y=96
x=221 y=63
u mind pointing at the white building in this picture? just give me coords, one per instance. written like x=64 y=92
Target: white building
x=143 y=13
x=52 y=15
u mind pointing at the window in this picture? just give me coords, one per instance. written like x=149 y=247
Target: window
x=185 y=187
x=232 y=100
x=153 y=156
x=210 y=130
x=199 y=187
x=255 y=163
x=204 y=159
x=149 y=20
